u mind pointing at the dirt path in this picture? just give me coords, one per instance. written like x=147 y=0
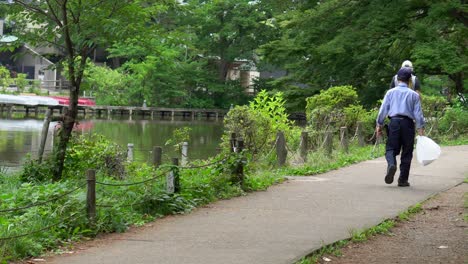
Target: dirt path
x=438 y=234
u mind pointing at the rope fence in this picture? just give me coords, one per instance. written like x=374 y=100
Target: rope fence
x=43 y=202
x=39 y=230
x=171 y=172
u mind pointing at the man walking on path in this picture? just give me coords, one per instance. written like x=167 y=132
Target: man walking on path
x=403 y=106
x=413 y=83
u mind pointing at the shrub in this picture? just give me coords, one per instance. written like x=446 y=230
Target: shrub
x=257 y=123
x=93 y=152
x=456 y=113
x=21 y=82
x=328 y=107
x=85 y=152
x=5 y=79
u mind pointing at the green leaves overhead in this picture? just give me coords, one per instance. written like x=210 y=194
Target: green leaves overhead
x=363 y=43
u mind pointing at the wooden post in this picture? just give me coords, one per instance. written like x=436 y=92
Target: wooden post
x=184 y=158
x=454 y=129
x=45 y=130
x=130 y=152
x=240 y=165
x=10 y=111
x=172 y=179
x=344 y=139
x=157 y=156
x=328 y=143
x=175 y=162
x=91 y=196
x=233 y=142
x=304 y=145
x=360 y=134
x=281 y=151
x=193 y=115
x=172 y=115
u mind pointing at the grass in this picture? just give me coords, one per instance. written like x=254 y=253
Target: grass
x=199 y=187
x=319 y=162
x=359 y=236
x=404 y=216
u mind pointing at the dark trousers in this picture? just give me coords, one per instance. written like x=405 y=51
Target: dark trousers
x=401 y=134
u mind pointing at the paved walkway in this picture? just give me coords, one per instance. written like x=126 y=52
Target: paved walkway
x=283 y=224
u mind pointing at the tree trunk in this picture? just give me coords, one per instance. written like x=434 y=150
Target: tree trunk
x=223 y=70
x=457 y=78
x=69 y=117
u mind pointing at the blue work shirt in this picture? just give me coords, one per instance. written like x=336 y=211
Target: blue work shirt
x=401 y=101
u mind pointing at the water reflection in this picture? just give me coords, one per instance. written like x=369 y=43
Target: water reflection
x=20 y=137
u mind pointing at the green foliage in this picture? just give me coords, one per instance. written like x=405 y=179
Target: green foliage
x=166 y=74
x=229 y=30
x=180 y=135
x=93 y=152
x=21 y=82
x=33 y=171
x=254 y=129
x=337 y=97
x=433 y=105
x=35 y=218
x=35 y=87
x=405 y=216
x=320 y=47
x=258 y=123
x=318 y=162
x=107 y=85
x=334 y=108
x=85 y=152
x=272 y=107
x=5 y=78
x=458 y=114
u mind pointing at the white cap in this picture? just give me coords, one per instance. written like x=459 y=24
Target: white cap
x=407 y=64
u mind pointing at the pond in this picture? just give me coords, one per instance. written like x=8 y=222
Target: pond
x=20 y=137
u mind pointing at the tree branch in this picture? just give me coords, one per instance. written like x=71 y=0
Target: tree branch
x=56 y=19
x=36 y=9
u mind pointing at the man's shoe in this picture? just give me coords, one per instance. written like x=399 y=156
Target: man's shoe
x=390 y=174
x=403 y=184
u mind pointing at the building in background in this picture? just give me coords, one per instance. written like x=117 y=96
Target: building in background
x=25 y=59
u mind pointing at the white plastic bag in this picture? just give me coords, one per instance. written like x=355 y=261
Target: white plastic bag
x=426 y=150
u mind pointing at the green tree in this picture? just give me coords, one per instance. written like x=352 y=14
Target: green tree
x=229 y=29
x=77 y=27
x=362 y=43
x=5 y=78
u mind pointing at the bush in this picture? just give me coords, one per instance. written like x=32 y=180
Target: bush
x=21 y=82
x=257 y=123
x=93 y=152
x=328 y=107
x=456 y=113
x=5 y=79
x=84 y=152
